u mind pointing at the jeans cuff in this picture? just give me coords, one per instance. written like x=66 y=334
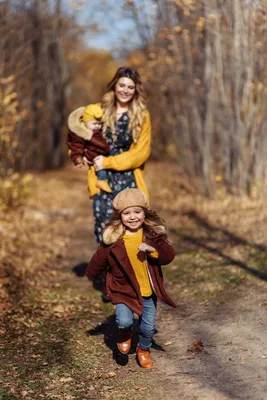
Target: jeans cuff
x=145 y=347
x=127 y=329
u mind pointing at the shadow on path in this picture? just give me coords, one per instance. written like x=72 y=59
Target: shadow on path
x=98 y=284
x=220 y=237
x=79 y=269
x=109 y=330
x=232 y=331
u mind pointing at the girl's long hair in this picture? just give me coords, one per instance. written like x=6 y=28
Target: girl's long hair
x=153 y=226
x=137 y=106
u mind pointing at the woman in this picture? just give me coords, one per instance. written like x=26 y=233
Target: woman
x=127 y=130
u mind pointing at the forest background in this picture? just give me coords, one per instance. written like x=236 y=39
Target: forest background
x=203 y=64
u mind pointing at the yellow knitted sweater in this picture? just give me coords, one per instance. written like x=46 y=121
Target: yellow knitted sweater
x=138 y=261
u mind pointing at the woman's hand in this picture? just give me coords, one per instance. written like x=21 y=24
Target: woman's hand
x=146 y=247
x=98 y=163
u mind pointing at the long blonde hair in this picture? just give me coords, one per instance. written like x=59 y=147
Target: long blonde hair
x=153 y=226
x=137 y=106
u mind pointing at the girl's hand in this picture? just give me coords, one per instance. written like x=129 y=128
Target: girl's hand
x=98 y=163
x=146 y=247
x=79 y=165
x=79 y=162
x=86 y=161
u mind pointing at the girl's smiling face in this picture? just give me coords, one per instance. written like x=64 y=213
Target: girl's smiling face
x=133 y=218
x=125 y=90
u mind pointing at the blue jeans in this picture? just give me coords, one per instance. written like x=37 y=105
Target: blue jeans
x=147 y=321
x=102 y=175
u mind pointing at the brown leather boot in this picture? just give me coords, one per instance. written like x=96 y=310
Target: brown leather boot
x=124 y=341
x=143 y=357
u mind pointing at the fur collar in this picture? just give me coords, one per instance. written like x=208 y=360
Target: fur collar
x=77 y=126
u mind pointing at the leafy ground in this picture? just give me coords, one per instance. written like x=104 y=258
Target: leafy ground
x=58 y=339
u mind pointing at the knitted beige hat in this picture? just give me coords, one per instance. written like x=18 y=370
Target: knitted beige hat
x=129 y=198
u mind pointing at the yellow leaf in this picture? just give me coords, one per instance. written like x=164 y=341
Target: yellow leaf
x=35 y=355
x=111 y=374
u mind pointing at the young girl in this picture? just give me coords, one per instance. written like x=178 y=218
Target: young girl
x=134 y=248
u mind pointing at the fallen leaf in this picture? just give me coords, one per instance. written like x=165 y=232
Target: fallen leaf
x=59 y=309
x=35 y=355
x=69 y=379
x=167 y=343
x=196 y=347
x=140 y=388
x=111 y=374
x=107 y=387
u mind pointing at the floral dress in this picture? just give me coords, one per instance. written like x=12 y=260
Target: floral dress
x=118 y=180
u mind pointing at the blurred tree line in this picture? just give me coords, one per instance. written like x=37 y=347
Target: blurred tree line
x=203 y=63
x=205 y=69
x=46 y=71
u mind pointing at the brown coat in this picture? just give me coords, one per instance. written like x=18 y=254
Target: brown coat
x=82 y=141
x=121 y=283
x=80 y=147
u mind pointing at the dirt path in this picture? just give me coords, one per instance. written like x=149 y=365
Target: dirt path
x=233 y=362
x=59 y=338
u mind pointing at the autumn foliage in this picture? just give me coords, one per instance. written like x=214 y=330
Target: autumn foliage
x=205 y=67
x=203 y=64
x=13 y=184
x=47 y=71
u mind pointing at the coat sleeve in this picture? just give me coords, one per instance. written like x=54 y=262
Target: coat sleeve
x=136 y=155
x=165 y=250
x=76 y=146
x=99 y=143
x=98 y=263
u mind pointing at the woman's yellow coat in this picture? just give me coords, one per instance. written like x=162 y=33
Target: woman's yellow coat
x=133 y=159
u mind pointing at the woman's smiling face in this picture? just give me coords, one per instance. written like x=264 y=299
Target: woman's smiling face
x=125 y=90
